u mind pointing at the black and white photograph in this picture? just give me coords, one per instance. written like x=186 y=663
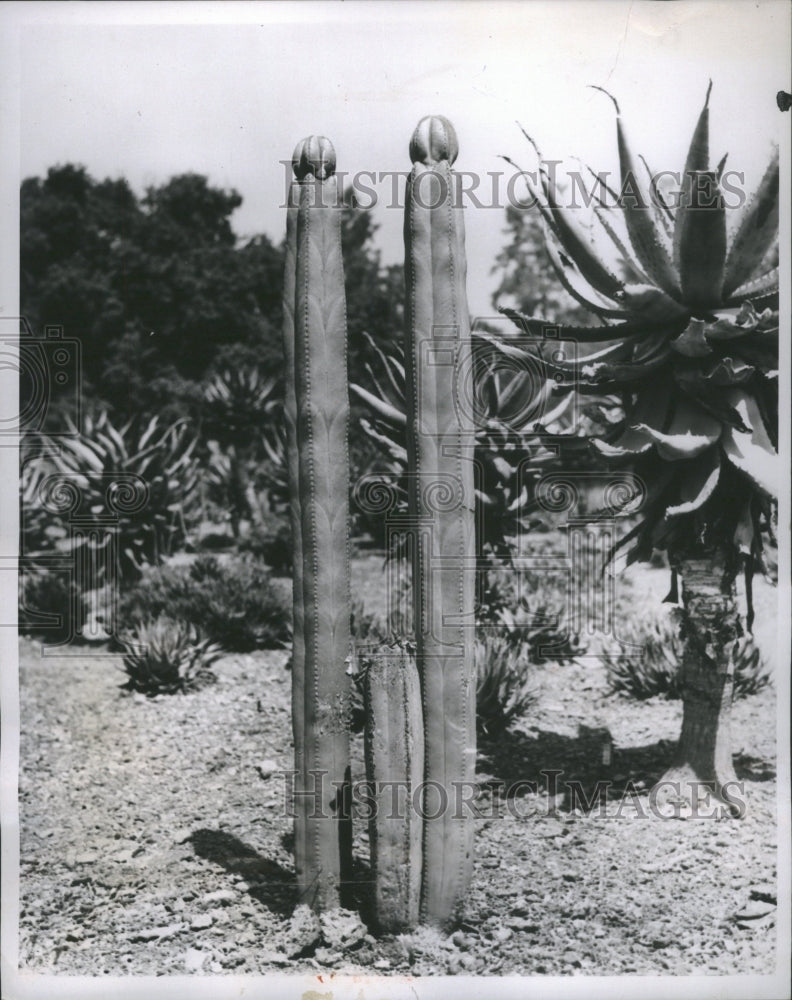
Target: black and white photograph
x=395 y=546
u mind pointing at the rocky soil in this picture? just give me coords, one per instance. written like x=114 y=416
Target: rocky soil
x=155 y=840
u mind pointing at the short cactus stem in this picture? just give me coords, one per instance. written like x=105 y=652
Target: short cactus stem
x=317 y=418
x=394 y=770
x=440 y=433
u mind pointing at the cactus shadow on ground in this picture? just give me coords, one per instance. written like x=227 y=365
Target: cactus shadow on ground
x=272 y=885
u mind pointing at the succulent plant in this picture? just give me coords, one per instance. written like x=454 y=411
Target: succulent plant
x=121 y=495
x=394 y=749
x=690 y=346
x=316 y=416
x=162 y=656
x=441 y=505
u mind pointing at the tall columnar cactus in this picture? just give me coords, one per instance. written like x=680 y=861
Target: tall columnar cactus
x=441 y=498
x=317 y=417
x=394 y=767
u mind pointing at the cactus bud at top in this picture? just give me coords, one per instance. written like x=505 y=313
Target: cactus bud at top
x=433 y=140
x=314 y=155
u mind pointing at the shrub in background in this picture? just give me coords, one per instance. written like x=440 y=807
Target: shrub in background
x=528 y=612
x=503 y=691
x=234 y=603
x=46 y=592
x=653 y=670
x=270 y=540
x=162 y=656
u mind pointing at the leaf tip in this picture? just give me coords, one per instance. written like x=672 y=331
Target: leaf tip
x=607 y=93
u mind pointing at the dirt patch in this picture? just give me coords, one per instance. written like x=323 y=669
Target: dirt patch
x=154 y=837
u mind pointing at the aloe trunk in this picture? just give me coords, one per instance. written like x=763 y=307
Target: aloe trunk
x=441 y=497
x=710 y=629
x=317 y=417
x=394 y=769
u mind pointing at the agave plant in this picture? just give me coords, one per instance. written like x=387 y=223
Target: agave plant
x=690 y=345
x=237 y=404
x=510 y=445
x=236 y=401
x=161 y=656
x=115 y=492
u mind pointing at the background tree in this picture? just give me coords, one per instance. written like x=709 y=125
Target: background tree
x=158 y=290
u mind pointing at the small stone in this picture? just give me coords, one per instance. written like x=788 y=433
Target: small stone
x=215 y=967
x=156 y=933
x=75 y=935
x=521 y=924
x=273 y=957
x=266 y=768
x=87 y=858
x=194 y=960
x=223 y=896
x=571 y=958
x=201 y=922
x=754 y=909
x=326 y=956
x=382 y=963
x=468 y=962
x=342 y=929
x=765 y=891
x=181 y=836
x=502 y=934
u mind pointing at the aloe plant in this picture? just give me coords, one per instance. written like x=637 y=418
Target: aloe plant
x=394 y=760
x=691 y=348
x=133 y=487
x=316 y=417
x=441 y=502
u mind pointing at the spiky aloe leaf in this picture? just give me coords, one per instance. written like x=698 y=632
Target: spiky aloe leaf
x=701 y=225
x=691 y=432
x=752 y=452
x=648 y=239
x=380 y=406
x=569 y=233
x=756 y=233
x=581 y=334
x=697 y=160
x=698 y=484
x=573 y=281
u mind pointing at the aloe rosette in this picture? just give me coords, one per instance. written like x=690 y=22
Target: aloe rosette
x=316 y=416
x=689 y=344
x=441 y=504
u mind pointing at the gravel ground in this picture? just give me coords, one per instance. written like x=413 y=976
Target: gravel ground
x=154 y=838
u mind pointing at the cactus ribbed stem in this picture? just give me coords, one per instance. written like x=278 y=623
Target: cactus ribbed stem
x=441 y=496
x=394 y=768
x=317 y=418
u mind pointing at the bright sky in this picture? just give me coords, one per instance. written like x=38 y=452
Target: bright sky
x=230 y=100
